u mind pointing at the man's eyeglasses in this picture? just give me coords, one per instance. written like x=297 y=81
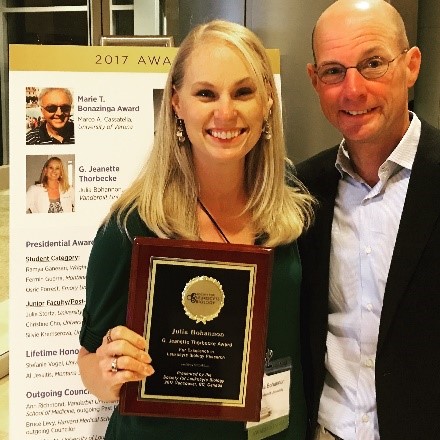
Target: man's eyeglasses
x=52 y=108
x=370 y=68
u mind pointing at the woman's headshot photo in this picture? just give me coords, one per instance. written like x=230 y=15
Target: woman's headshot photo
x=52 y=192
x=49 y=116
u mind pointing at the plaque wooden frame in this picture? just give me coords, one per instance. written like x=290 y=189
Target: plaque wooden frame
x=234 y=265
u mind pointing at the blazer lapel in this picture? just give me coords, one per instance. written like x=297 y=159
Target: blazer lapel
x=321 y=179
x=420 y=213
x=330 y=179
x=321 y=237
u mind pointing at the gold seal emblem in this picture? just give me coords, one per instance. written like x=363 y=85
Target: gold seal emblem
x=203 y=298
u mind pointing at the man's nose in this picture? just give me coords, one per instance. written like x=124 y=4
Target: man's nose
x=354 y=82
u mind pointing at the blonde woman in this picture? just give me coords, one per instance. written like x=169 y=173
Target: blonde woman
x=217 y=172
x=52 y=194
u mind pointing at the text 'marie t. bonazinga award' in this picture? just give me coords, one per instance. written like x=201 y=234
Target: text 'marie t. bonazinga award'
x=202 y=308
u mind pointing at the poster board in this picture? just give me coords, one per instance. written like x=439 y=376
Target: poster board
x=116 y=92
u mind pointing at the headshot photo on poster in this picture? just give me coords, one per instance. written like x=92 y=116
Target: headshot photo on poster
x=49 y=184
x=49 y=116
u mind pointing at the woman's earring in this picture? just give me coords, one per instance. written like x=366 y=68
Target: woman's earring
x=180 y=131
x=267 y=130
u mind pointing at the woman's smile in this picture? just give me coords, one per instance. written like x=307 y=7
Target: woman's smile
x=225 y=134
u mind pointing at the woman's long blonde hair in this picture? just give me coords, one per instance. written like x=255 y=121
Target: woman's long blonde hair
x=165 y=191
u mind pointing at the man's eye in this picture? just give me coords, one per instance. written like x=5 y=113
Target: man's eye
x=332 y=70
x=373 y=63
x=205 y=93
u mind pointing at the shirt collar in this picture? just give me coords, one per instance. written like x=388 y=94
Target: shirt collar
x=402 y=156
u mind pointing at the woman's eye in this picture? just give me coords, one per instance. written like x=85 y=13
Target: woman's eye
x=244 y=91
x=205 y=93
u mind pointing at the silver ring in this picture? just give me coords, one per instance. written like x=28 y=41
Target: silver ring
x=114 y=366
x=109 y=336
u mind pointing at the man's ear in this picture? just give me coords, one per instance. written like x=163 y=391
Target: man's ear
x=312 y=75
x=413 y=60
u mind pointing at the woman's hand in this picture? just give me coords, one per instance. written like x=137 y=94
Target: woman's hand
x=120 y=358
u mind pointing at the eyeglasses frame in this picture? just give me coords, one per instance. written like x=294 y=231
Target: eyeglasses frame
x=57 y=107
x=357 y=67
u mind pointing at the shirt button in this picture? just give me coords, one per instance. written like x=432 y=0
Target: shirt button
x=369 y=363
x=369 y=307
x=365 y=418
x=368 y=250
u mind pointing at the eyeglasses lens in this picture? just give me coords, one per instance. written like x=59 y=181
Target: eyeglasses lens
x=65 y=108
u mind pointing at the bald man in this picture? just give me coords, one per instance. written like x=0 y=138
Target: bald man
x=371 y=262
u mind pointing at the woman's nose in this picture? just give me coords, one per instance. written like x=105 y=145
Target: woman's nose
x=225 y=109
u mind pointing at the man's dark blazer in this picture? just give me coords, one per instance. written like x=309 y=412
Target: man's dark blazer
x=408 y=352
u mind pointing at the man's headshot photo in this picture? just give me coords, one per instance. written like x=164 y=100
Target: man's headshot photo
x=52 y=124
